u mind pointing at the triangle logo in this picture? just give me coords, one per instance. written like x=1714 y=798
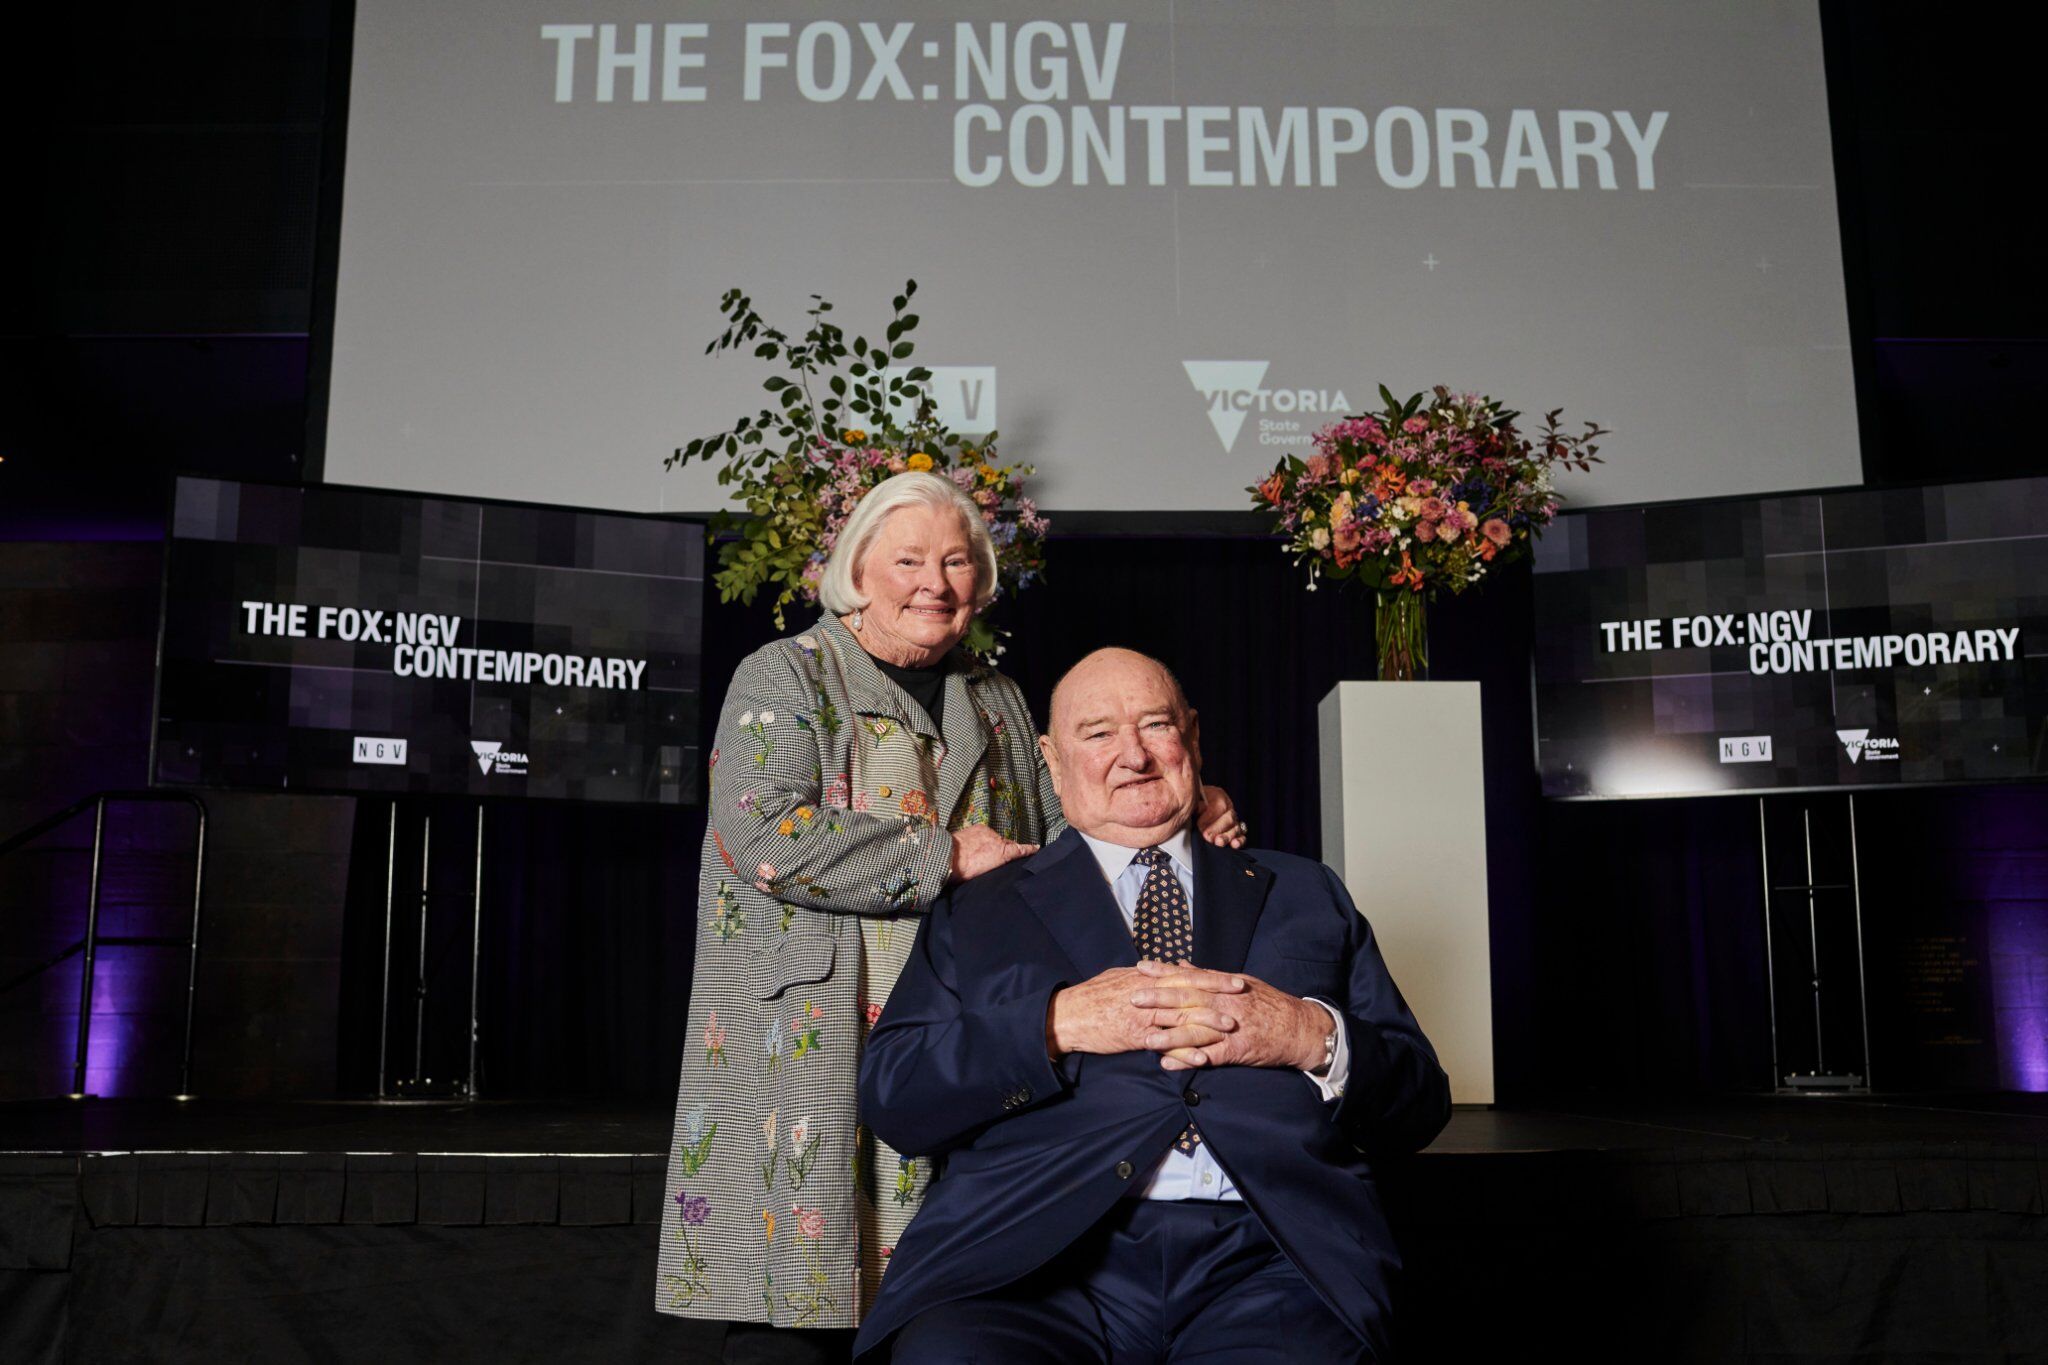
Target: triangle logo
x=485 y=750
x=1852 y=740
x=1219 y=382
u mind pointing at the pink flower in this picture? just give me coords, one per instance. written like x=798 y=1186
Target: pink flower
x=860 y=800
x=1496 y=531
x=764 y=878
x=1421 y=488
x=810 y=1222
x=714 y=1033
x=897 y=464
x=1319 y=466
x=836 y=791
x=873 y=1012
x=1432 y=509
x=1425 y=531
x=1415 y=426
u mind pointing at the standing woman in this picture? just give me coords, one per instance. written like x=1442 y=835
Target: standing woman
x=859 y=769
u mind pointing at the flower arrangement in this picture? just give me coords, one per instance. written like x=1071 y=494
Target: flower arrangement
x=846 y=414
x=1425 y=497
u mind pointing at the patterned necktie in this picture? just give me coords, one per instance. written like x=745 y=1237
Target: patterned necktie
x=1164 y=931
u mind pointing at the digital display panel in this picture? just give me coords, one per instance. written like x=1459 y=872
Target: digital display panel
x=349 y=640
x=1853 y=639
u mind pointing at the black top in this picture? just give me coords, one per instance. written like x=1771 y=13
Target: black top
x=926 y=686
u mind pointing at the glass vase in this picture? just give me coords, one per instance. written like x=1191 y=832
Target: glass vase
x=1401 y=636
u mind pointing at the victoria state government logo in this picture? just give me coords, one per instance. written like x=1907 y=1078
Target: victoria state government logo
x=1860 y=745
x=1236 y=389
x=494 y=758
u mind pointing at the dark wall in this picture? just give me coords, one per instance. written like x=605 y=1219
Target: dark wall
x=1946 y=278
x=161 y=318
x=161 y=245
x=77 y=642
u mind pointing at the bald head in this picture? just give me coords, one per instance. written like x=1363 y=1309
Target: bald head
x=1091 y=666
x=1123 y=749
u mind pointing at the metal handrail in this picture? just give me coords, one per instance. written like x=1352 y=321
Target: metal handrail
x=89 y=944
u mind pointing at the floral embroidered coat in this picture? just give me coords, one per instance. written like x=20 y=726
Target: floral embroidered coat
x=831 y=798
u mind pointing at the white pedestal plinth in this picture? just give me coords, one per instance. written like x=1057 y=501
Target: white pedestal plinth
x=1404 y=824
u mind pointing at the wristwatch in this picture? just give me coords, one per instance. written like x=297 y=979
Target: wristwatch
x=1329 y=1053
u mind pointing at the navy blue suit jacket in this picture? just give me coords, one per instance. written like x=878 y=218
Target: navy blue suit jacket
x=1034 y=1153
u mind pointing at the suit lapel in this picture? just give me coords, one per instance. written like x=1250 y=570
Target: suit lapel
x=867 y=690
x=962 y=729
x=1230 y=891
x=965 y=733
x=1066 y=891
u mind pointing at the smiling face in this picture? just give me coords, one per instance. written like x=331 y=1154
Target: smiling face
x=919 y=578
x=1124 y=750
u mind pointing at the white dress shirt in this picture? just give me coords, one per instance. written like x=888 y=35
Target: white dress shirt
x=1196 y=1174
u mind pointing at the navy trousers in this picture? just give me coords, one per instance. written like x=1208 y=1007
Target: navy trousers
x=1155 y=1282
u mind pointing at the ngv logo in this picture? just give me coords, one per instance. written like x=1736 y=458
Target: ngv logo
x=1861 y=745
x=1746 y=749
x=370 y=749
x=493 y=757
x=963 y=397
x=1233 y=389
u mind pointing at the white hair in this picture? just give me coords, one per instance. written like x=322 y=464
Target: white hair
x=836 y=590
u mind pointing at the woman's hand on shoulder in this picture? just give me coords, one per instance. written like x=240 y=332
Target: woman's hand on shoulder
x=978 y=849
x=1217 y=819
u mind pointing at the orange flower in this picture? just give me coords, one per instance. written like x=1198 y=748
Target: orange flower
x=1407 y=575
x=920 y=462
x=854 y=436
x=787 y=827
x=1273 y=487
x=768 y=1221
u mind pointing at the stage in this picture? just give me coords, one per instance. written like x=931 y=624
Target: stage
x=1810 y=1228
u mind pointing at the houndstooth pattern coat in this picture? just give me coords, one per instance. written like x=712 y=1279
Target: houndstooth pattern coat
x=831 y=798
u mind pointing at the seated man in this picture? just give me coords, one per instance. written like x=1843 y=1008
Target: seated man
x=1144 y=1161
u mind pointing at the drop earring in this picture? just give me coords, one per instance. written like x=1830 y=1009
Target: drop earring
x=853 y=621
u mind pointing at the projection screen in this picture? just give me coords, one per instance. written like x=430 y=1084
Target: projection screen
x=1158 y=244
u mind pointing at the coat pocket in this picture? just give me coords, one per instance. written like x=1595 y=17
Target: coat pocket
x=800 y=959
x=1323 y=978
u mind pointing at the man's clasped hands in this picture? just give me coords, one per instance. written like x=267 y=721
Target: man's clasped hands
x=1193 y=1017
